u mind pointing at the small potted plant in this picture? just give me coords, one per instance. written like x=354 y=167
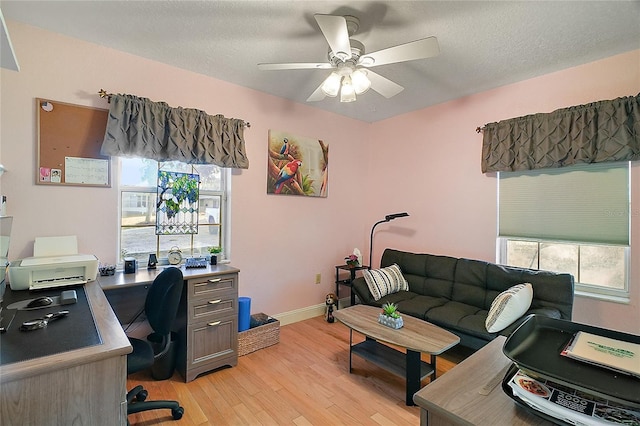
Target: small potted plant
x=390 y=316
x=352 y=261
x=214 y=251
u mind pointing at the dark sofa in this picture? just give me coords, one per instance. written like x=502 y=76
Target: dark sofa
x=456 y=294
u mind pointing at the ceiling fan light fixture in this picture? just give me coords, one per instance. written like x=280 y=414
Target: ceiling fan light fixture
x=331 y=85
x=360 y=82
x=347 y=92
x=343 y=56
x=366 y=61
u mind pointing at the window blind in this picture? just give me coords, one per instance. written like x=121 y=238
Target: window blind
x=583 y=203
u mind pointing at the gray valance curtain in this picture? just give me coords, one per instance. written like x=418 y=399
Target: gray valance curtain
x=592 y=133
x=142 y=128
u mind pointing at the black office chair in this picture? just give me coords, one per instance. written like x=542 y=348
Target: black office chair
x=161 y=307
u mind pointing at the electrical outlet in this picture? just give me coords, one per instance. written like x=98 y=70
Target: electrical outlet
x=318 y=278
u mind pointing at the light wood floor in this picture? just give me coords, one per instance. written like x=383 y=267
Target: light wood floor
x=303 y=380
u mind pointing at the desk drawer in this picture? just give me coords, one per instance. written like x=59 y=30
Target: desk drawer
x=202 y=308
x=213 y=342
x=209 y=286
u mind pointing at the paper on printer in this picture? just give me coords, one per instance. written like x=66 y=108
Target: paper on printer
x=55 y=263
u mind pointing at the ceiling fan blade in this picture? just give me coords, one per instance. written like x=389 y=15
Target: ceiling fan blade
x=295 y=66
x=419 y=49
x=383 y=85
x=317 y=95
x=334 y=29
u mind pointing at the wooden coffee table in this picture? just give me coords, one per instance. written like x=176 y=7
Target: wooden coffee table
x=415 y=336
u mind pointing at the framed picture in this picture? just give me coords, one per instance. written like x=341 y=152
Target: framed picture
x=297 y=165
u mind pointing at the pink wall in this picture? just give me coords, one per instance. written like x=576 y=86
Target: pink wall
x=435 y=172
x=281 y=243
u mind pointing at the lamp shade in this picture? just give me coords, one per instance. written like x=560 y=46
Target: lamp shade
x=395 y=216
x=331 y=85
x=347 y=93
x=360 y=81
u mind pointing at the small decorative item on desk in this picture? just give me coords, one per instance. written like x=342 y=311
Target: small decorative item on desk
x=174 y=256
x=106 y=270
x=390 y=316
x=215 y=251
x=352 y=261
x=153 y=261
x=195 y=262
x=130 y=265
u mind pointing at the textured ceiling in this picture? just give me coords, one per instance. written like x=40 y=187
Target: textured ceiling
x=483 y=44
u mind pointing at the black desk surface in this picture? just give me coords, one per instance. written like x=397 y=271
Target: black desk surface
x=77 y=330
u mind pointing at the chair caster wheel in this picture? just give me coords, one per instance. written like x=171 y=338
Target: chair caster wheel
x=142 y=395
x=177 y=413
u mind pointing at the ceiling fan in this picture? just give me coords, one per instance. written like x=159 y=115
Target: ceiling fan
x=350 y=63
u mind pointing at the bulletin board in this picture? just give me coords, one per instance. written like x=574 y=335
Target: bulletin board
x=69 y=141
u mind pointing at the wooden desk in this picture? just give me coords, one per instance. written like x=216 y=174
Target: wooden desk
x=81 y=387
x=207 y=321
x=471 y=394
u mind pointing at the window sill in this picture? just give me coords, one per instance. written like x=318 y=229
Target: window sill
x=604 y=297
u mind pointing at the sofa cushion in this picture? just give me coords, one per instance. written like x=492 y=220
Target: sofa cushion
x=508 y=306
x=451 y=313
x=470 y=284
x=427 y=274
x=475 y=325
x=419 y=305
x=400 y=296
x=385 y=281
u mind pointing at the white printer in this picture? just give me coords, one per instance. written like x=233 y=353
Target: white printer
x=55 y=263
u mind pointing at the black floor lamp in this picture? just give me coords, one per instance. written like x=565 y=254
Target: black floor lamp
x=387 y=218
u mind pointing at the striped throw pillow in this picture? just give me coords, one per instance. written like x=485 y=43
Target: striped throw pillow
x=385 y=281
x=508 y=306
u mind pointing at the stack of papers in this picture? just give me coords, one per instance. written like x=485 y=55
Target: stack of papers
x=570 y=405
x=616 y=355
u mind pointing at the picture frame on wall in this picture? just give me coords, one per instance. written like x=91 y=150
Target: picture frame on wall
x=297 y=165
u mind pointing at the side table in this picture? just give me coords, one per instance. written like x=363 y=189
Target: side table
x=347 y=281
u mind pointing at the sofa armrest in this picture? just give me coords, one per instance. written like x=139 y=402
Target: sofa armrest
x=360 y=288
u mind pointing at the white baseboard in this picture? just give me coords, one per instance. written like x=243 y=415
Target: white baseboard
x=306 y=313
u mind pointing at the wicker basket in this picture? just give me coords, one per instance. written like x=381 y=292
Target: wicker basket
x=258 y=337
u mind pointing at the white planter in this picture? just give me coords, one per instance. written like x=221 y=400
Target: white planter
x=390 y=322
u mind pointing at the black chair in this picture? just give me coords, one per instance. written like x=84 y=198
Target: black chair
x=161 y=308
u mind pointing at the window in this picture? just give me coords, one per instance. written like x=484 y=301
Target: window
x=575 y=220
x=138 y=196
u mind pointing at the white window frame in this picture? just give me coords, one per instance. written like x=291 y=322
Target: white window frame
x=585 y=290
x=224 y=216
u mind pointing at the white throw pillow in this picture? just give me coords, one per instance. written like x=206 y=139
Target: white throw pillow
x=385 y=281
x=508 y=306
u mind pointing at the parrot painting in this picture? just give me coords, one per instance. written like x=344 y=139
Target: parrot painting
x=286 y=173
x=284 y=151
